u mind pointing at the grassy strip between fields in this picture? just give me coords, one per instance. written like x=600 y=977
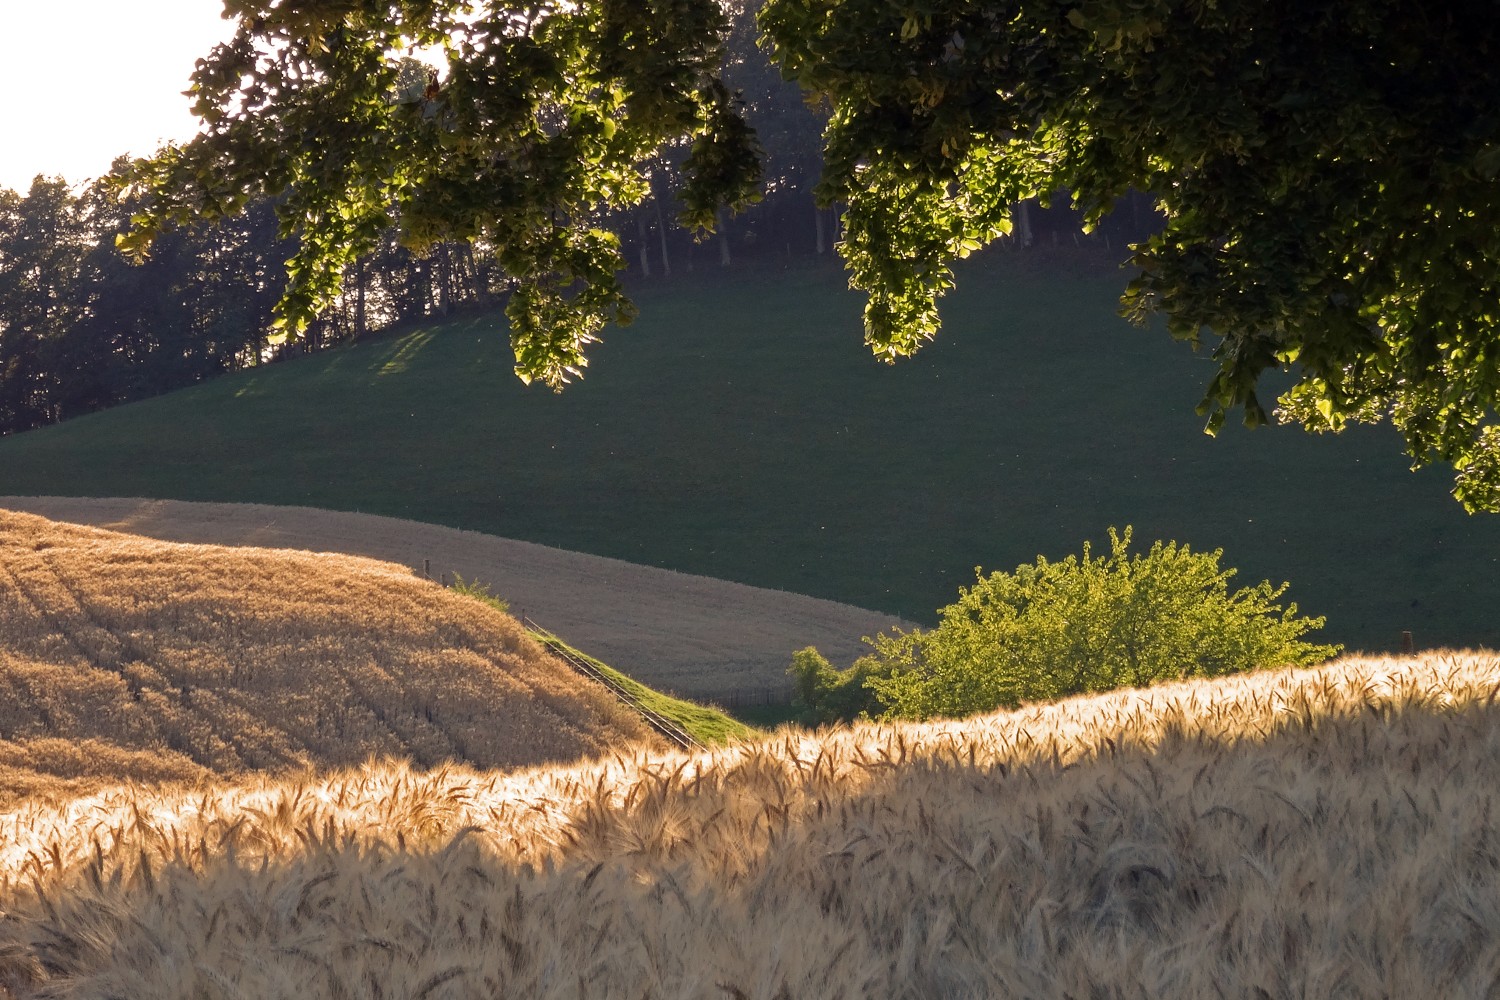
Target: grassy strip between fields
x=704 y=723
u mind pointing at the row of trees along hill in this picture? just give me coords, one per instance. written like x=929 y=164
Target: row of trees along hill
x=82 y=327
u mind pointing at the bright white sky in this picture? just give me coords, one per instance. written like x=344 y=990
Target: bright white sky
x=83 y=81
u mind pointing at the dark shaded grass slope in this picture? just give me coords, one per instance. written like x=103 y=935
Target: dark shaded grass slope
x=739 y=430
x=127 y=658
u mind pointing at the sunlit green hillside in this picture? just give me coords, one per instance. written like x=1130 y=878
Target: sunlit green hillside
x=740 y=430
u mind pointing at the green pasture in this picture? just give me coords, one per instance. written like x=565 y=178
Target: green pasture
x=740 y=430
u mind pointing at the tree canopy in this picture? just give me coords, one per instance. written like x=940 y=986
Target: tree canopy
x=1327 y=172
x=547 y=114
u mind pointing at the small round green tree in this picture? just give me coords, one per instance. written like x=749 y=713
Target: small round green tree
x=1087 y=624
x=826 y=694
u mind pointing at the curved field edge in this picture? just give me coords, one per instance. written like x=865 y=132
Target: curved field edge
x=692 y=636
x=1320 y=832
x=739 y=430
x=125 y=657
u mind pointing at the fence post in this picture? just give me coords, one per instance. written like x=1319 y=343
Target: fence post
x=1406 y=643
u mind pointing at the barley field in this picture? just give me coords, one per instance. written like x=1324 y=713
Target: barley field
x=1327 y=832
x=128 y=658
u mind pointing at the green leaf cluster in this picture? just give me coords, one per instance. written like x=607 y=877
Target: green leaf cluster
x=826 y=694
x=1327 y=173
x=544 y=116
x=1054 y=629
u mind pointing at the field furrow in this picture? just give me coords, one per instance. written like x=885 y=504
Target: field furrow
x=227 y=661
x=699 y=637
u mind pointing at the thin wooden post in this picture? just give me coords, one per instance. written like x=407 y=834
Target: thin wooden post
x=1406 y=643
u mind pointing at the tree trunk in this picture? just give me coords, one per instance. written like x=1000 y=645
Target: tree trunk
x=462 y=279
x=479 y=276
x=445 y=280
x=661 y=232
x=361 y=281
x=641 y=246
x=418 y=290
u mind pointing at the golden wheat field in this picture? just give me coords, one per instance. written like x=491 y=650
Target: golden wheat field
x=183 y=819
x=693 y=635
x=124 y=657
x=1317 y=833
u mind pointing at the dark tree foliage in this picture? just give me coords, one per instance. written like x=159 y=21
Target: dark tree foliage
x=785 y=225
x=1328 y=173
x=81 y=328
x=548 y=115
x=39 y=241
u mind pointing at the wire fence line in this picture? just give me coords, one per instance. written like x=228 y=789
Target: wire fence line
x=753 y=697
x=663 y=725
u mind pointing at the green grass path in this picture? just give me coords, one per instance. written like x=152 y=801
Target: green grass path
x=708 y=725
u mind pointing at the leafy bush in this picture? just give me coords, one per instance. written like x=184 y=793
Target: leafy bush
x=1056 y=629
x=1089 y=624
x=481 y=592
x=827 y=694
